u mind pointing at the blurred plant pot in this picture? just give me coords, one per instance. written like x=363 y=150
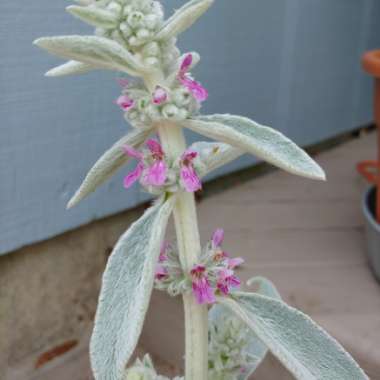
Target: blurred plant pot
x=372 y=230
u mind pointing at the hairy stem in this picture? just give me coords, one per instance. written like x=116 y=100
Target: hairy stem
x=185 y=218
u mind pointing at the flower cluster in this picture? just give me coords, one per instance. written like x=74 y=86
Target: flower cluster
x=178 y=99
x=158 y=174
x=214 y=275
x=134 y=24
x=144 y=370
x=169 y=273
x=228 y=348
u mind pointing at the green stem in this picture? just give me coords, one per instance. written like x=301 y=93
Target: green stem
x=185 y=218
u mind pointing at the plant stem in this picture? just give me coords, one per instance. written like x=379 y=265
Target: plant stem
x=185 y=218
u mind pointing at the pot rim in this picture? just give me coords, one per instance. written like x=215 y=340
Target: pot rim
x=368 y=215
x=371 y=62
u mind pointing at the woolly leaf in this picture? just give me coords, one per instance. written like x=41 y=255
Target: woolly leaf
x=183 y=18
x=92 y=50
x=306 y=350
x=126 y=290
x=256 y=349
x=94 y=16
x=264 y=287
x=253 y=138
x=213 y=155
x=111 y=161
x=70 y=68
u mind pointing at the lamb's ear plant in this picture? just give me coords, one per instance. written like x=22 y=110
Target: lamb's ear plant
x=228 y=332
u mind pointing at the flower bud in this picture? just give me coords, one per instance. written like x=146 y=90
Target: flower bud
x=182 y=114
x=135 y=19
x=181 y=97
x=153 y=112
x=134 y=41
x=114 y=7
x=131 y=115
x=158 y=10
x=151 y=61
x=170 y=111
x=127 y=10
x=125 y=29
x=143 y=103
x=151 y=49
x=151 y=21
x=143 y=34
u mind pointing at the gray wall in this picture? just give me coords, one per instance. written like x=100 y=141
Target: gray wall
x=292 y=64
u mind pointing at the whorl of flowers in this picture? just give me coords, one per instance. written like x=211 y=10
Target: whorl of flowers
x=133 y=24
x=228 y=348
x=213 y=275
x=158 y=174
x=177 y=99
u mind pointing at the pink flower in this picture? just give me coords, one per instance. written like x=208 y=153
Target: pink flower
x=125 y=102
x=217 y=238
x=189 y=177
x=196 y=89
x=135 y=174
x=161 y=272
x=159 y=95
x=155 y=174
x=202 y=289
x=227 y=280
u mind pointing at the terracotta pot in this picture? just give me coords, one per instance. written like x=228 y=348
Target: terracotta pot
x=371 y=169
x=372 y=230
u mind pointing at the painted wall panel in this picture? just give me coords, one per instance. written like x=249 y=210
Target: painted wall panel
x=292 y=64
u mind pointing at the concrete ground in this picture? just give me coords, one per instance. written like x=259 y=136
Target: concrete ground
x=306 y=236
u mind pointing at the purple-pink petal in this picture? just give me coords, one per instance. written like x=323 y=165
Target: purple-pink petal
x=155 y=147
x=125 y=102
x=186 y=63
x=156 y=173
x=190 y=179
x=226 y=281
x=134 y=175
x=161 y=272
x=217 y=237
x=203 y=292
x=159 y=95
x=188 y=156
x=202 y=289
x=235 y=262
x=196 y=89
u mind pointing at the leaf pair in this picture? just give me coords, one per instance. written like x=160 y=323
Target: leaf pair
x=90 y=52
x=238 y=134
x=211 y=156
